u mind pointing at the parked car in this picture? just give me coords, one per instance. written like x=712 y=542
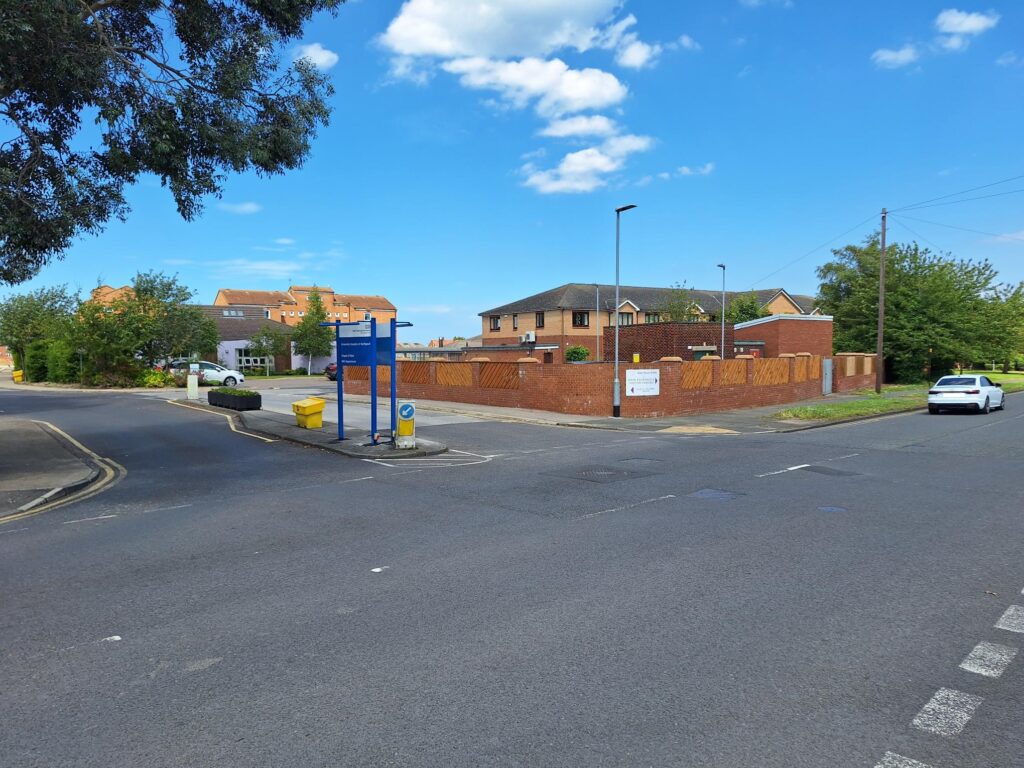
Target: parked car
x=331 y=371
x=974 y=393
x=212 y=373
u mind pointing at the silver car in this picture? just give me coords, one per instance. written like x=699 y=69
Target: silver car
x=212 y=373
x=972 y=393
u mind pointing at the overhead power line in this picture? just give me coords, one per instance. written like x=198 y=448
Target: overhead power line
x=963 y=200
x=957 y=194
x=963 y=229
x=918 y=235
x=814 y=250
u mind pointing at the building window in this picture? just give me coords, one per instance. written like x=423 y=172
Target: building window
x=580 y=319
x=495 y=322
x=266 y=314
x=515 y=322
x=652 y=317
x=292 y=313
x=301 y=313
x=538 y=320
x=625 y=318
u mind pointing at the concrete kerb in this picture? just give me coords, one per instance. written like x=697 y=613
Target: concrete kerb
x=56 y=494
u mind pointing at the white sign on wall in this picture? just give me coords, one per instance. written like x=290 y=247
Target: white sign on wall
x=643 y=382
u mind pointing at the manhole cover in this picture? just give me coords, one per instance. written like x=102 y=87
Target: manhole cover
x=830 y=471
x=833 y=509
x=714 y=494
x=598 y=474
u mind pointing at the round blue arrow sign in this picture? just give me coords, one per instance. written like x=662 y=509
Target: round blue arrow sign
x=407 y=411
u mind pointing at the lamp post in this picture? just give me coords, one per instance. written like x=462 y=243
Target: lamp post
x=597 y=321
x=616 y=397
x=721 y=351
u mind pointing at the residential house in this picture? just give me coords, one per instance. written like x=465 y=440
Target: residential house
x=236 y=325
x=289 y=307
x=578 y=313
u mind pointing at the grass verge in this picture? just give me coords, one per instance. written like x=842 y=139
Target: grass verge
x=868 y=406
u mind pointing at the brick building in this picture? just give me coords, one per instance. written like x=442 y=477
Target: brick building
x=787 y=334
x=579 y=313
x=690 y=341
x=289 y=307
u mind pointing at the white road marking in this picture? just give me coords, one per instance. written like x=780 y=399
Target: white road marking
x=1012 y=619
x=783 y=471
x=628 y=506
x=16 y=530
x=989 y=659
x=167 y=509
x=840 y=458
x=202 y=664
x=380 y=570
x=947 y=712
x=355 y=480
x=87 y=519
x=892 y=760
x=111 y=639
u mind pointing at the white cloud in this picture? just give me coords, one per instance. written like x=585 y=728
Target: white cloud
x=688 y=43
x=1009 y=59
x=887 y=58
x=703 y=170
x=242 y=209
x=499 y=28
x=1015 y=238
x=664 y=175
x=278 y=270
x=284 y=241
x=643 y=181
x=637 y=54
x=581 y=125
x=954 y=22
x=556 y=88
x=412 y=69
x=745 y=71
x=318 y=56
x=587 y=169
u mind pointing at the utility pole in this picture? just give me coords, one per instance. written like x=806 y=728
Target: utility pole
x=597 y=322
x=879 y=359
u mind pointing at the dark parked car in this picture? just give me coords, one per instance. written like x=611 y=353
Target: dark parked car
x=331 y=371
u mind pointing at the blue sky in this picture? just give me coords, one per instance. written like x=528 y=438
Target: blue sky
x=474 y=158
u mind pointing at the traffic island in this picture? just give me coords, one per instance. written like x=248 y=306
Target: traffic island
x=283 y=427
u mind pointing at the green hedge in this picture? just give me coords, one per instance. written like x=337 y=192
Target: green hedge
x=35 y=360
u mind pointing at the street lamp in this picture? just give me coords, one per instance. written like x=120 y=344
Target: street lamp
x=721 y=351
x=616 y=397
x=597 y=321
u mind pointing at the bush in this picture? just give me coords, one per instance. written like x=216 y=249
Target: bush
x=155 y=379
x=234 y=391
x=125 y=375
x=181 y=378
x=61 y=362
x=577 y=353
x=35 y=361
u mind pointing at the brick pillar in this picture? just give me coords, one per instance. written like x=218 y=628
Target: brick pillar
x=749 y=359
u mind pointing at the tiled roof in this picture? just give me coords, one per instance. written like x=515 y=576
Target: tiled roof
x=583 y=296
x=322 y=289
x=363 y=302
x=260 y=298
x=235 y=328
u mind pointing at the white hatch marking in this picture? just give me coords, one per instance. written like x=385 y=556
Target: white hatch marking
x=87 y=519
x=1012 y=619
x=111 y=639
x=947 y=712
x=627 y=506
x=782 y=471
x=892 y=760
x=989 y=659
x=381 y=569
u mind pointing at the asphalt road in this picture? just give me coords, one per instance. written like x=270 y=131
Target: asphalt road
x=546 y=597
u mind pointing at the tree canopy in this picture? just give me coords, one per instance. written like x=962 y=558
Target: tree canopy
x=744 y=307
x=938 y=310
x=35 y=316
x=95 y=93
x=310 y=338
x=680 y=305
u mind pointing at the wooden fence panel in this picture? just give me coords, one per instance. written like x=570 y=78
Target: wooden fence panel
x=733 y=373
x=800 y=369
x=769 y=371
x=499 y=375
x=356 y=373
x=414 y=373
x=455 y=374
x=814 y=371
x=696 y=375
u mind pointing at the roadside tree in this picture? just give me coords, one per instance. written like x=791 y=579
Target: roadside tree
x=187 y=91
x=42 y=314
x=268 y=343
x=744 y=308
x=310 y=338
x=680 y=306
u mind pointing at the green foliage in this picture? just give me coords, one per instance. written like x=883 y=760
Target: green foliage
x=187 y=91
x=576 y=353
x=155 y=379
x=269 y=343
x=35 y=360
x=180 y=377
x=234 y=391
x=310 y=338
x=744 y=308
x=176 y=329
x=680 y=306
x=40 y=314
x=938 y=310
x=61 y=362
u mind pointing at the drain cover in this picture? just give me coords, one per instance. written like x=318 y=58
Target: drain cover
x=598 y=474
x=833 y=509
x=714 y=494
x=830 y=471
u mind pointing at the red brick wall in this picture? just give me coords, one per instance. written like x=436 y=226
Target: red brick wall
x=789 y=336
x=656 y=340
x=587 y=389
x=852 y=371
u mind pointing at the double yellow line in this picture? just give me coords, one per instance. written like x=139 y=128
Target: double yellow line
x=231 y=421
x=112 y=472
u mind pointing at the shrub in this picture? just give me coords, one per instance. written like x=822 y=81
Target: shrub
x=155 y=379
x=577 y=353
x=234 y=391
x=180 y=377
x=61 y=362
x=35 y=360
x=124 y=375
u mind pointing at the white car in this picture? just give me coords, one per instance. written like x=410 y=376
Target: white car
x=212 y=373
x=974 y=393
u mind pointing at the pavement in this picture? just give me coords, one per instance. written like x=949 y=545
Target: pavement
x=538 y=595
x=39 y=465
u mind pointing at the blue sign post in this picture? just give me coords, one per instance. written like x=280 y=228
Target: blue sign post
x=358 y=343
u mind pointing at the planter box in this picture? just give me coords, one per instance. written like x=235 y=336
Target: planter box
x=235 y=402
